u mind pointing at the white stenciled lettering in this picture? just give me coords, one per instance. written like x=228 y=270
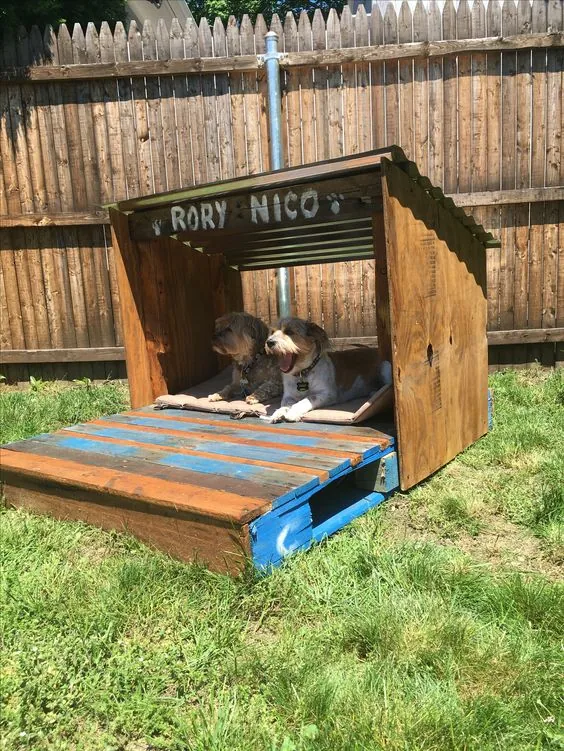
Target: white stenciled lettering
x=221 y=208
x=259 y=208
x=276 y=207
x=157 y=227
x=309 y=196
x=193 y=218
x=177 y=215
x=207 y=216
x=290 y=213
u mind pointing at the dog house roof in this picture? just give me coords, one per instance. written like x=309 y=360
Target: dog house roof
x=317 y=213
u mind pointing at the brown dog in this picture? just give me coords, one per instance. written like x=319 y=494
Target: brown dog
x=256 y=377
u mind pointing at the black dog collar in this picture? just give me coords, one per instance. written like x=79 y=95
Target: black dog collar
x=303 y=385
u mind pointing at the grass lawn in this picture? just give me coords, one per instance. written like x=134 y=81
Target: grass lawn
x=433 y=622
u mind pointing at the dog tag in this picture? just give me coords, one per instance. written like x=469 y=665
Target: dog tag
x=303 y=386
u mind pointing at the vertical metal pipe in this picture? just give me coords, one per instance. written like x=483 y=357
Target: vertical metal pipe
x=276 y=156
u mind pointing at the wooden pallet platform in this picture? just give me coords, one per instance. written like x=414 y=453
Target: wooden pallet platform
x=202 y=486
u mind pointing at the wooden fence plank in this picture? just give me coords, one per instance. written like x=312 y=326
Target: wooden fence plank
x=554 y=153
x=450 y=159
x=436 y=117
x=493 y=173
x=522 y=157
x=538 y=146
x=509 y=117
x=168 y=113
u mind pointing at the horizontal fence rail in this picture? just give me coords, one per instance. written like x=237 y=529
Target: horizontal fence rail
x=472 y=93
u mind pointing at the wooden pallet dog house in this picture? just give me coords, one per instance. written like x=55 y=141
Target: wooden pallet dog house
x=202 y=486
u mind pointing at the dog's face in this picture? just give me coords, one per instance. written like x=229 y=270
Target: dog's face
x=239 y=335
x=295 y=343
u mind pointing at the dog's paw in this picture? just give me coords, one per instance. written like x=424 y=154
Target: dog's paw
x=215 y=398
x=293 y=415
x=278 y=416
x=251 y=399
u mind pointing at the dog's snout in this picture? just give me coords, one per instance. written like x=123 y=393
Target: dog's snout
x=270 y=342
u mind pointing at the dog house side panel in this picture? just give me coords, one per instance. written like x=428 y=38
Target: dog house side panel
x=170 y=296
x=436 y=275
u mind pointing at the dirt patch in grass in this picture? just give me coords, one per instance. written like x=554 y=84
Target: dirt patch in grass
x=499 y=542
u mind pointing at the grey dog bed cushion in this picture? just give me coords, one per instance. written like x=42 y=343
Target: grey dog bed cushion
x=347 y=413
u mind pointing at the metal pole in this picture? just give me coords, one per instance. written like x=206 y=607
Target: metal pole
x=271 y=59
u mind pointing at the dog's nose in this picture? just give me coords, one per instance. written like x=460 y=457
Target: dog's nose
x=270 y=343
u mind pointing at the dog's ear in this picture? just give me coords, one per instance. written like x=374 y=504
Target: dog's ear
x=258 y=331
x=319 y=335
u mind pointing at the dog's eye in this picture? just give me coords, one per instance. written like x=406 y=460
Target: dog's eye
x=289 y=332
x=227 y=329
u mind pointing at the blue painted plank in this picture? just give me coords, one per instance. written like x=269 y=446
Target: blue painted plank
x=279 y=456
x=288 y=481
x=362 y=449
x=366 y=429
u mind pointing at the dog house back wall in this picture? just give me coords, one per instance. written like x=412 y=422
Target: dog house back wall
x=430 y=283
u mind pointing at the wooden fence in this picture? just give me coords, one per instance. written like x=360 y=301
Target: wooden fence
x=472 y=94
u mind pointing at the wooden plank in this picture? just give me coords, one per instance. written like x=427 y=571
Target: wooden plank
x=154 y=470
x=311 y=275
x=87 y=354
x=338 y=443
x=279 y=458
x=348 y=275
x=60 y=219
x=87 y=445
x=293 y=114
x=28 y=240
x=142 y=135
x=182 y=108
x=168 y=111
x=493 y=179
x=260 y=32
x=343 y=166
x=523 y=180
x=222 y=548
x=436 y=98
x=554 y=174
x=154 y=115
x=15 y=163
x=494 y=338
x=377 y=76
x=210 y=133
x=334 y=277
x=450 y=80
x=151 y=68
x=421 y=91
x=112 y=483
x=538 y=146
x=508 y=174
x=405 y=35
x=96 y=283
x=439 y=360
x=391 y=73
x=126 y=110
x=465 y=115
x=225 y=133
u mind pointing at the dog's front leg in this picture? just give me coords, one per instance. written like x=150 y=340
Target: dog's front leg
x=264 y=393
x=225 y=394
x=282 y=411
x=298 y=410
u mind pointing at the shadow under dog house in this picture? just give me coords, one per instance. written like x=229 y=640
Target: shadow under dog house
x=201 y=486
